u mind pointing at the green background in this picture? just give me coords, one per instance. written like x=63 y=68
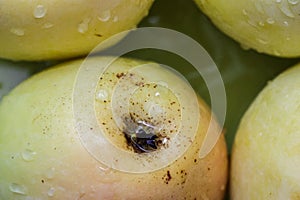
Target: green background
x=245 y=72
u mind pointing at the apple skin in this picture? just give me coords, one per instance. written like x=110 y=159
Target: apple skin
x=269 y=27
x=266 y=154
x=60 y=29
x=41 y=154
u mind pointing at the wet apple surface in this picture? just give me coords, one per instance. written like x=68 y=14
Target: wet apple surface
x=50 y=154
x=245 y=72
x=266 y=156
x=267 y=26
x=63 y=29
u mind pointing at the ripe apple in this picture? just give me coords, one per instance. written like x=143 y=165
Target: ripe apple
x=59 y=29
x=270 y=27
x=145 y=143
x=266 y=152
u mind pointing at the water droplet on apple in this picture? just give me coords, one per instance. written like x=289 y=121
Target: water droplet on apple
x=28 y=155
x=51 y=192
x=116 y=18
x=39 y=11
x=293 y=2
x=270 y=21
x=17 y=188
x=83 y=27
x=262 y=41
x=261 y=23
x=102 y=95
x=17 y=31
x=104 y=16
x=48 y=25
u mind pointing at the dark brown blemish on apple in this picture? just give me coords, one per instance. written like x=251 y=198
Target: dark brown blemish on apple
x=167 y=177
x=141 y=135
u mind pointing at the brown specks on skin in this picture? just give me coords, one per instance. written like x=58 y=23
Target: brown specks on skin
x=120 y=75
x=98 y=35
x=167 y=177
x=183 y=177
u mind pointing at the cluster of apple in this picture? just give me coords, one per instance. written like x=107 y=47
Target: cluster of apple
x=137 y=132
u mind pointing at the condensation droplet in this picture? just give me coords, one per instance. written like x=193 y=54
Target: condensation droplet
x=84 y=25
x=293 y=2
x=278 y=1
x=262 y=41
x=252 y=23
x=261 y=23
x=28 y=155
x=116 y=18
x=157 y=94
x=17 y=188
x=105 y=170
x=270 y=21
x=39 y=11
x=285 y=23
x=51 y=192
x=50 y=173
x=17 y=31
x=104 y=16
x=276 y=53
x=102 y=95
x=48 y=25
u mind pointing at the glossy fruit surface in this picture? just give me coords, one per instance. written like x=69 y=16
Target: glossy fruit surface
x=266 y=153
x=270 y=27
x=34 y=30
x=44 y=153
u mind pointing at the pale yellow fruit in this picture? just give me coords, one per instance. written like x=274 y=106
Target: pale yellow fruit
x=266 y=151
x=42 y=155
x=59 y=29
x=267 y=26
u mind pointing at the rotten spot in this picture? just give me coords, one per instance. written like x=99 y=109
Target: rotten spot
x=142 y=137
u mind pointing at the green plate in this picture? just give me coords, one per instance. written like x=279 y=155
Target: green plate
x=244 y=72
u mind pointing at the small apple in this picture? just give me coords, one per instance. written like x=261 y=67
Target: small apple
x=47 y=30
x=266 y=152
x=270 y=27
x=140 y=140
